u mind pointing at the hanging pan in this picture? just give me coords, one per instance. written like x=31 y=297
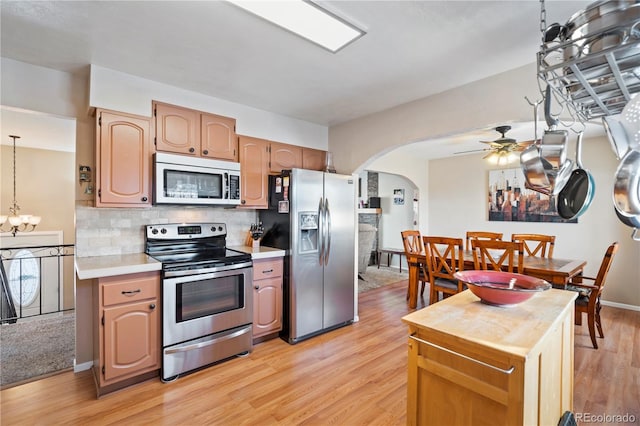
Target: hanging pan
x=577 y=194
x=632 y=221
x=626 y=188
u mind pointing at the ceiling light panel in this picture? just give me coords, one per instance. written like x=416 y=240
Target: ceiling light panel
x=306 y=19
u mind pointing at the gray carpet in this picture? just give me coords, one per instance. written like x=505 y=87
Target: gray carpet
x=36 y=347
x=374 y=277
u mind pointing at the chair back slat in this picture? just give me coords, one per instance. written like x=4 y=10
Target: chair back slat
x=482 y=235
x=498 y=255
x=445 y=256
x=412 y=242
x=605 y=266
x=539 y=245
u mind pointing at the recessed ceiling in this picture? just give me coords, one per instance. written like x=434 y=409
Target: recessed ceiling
x=412 y=49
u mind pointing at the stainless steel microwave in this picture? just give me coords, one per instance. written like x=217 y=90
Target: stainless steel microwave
x=179 y=179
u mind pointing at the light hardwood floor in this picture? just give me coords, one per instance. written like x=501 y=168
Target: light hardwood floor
x=355 y=375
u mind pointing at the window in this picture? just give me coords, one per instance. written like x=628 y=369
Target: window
x=24 y=278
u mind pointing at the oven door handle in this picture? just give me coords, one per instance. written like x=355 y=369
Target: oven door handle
x=208 y=342
x=186 y=272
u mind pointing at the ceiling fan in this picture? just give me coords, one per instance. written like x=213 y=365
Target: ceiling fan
x=501 y=149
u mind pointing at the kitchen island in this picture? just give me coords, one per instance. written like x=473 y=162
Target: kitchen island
x=473 y=363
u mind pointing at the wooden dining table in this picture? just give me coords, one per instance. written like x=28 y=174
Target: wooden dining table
x=558 y=272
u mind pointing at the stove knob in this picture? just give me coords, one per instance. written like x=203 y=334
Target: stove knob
x=154 y=231
x=213 y=229
x=163 y=230
x=220 y=228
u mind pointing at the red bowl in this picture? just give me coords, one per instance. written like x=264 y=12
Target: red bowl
x=501 y=288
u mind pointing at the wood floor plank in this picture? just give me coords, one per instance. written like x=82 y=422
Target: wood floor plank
x=354 y=375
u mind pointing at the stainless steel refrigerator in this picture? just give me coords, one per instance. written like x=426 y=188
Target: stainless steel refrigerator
x=311 y=215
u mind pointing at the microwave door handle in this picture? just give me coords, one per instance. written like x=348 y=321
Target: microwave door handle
x=226 y=186
x=327 y=219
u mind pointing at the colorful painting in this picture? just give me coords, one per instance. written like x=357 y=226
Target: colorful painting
x=509 y=200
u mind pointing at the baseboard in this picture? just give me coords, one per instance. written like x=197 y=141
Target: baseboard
x=82 y=367
x=620 y=305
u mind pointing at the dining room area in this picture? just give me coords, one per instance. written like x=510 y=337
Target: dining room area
x=486 y=300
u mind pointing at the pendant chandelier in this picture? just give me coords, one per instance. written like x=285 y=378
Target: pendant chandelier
x=17 y=222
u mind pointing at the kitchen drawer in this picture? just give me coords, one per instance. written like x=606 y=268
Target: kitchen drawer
x=129 y=288
x=263 y=269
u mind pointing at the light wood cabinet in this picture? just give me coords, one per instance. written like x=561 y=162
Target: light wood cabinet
x=284 y=156
x=124 y=160
x=314 y=159
x=127 y=339
x=218 y=137
x=267 y=297
x=185 y=131
x=471 y=363
x=177 y=129
x=254 y=171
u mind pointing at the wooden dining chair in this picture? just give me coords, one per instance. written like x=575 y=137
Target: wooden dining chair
x=588 y=301
x=412 y=242
x=539 y=245
x=445 y=256
x=498 y=255
x=482 y=235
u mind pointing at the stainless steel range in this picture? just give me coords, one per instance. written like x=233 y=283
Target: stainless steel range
x=207 y=299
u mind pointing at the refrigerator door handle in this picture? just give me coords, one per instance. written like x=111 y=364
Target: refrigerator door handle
x=327 y=218
x=321 y=236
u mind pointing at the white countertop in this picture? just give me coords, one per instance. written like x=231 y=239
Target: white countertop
x=105 y=266
x=260 y=252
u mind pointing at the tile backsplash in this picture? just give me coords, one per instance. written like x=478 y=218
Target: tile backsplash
x=107 y=231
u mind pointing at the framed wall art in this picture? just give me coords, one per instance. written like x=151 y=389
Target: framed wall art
x=510 y=201
x=398 y=197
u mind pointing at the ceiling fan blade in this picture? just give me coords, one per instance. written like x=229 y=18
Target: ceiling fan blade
x=473 y=150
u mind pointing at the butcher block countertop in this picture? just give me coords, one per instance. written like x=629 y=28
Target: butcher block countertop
x=514 y=330
x=472 y=363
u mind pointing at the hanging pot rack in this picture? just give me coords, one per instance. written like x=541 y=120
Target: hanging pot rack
x=593 y=71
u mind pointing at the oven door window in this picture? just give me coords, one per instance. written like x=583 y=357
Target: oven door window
x=197 y=299
x=188 y=184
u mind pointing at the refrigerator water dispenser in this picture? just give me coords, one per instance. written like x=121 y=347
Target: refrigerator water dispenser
x=308 y=232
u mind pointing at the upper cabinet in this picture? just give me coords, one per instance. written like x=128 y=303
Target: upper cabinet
x=284 y=156
x=218 y=137
x=186 y=131
x=254 y=171
x=313 y=159
x=124 y=157
x=177 y=129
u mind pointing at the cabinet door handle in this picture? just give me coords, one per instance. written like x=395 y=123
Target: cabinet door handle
x=267 y=271
x=192 y=149
x=152 y=306
x=509 y=371
x=144 y=199
x=205 y=152
x=257 y=287
x=130 y=292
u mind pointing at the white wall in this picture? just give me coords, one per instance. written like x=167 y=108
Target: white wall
x=394 y=218
x=118 y=91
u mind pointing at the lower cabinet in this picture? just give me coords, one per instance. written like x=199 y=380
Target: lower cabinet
x=267 y=298
x=127 y=339
x=475 y=364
